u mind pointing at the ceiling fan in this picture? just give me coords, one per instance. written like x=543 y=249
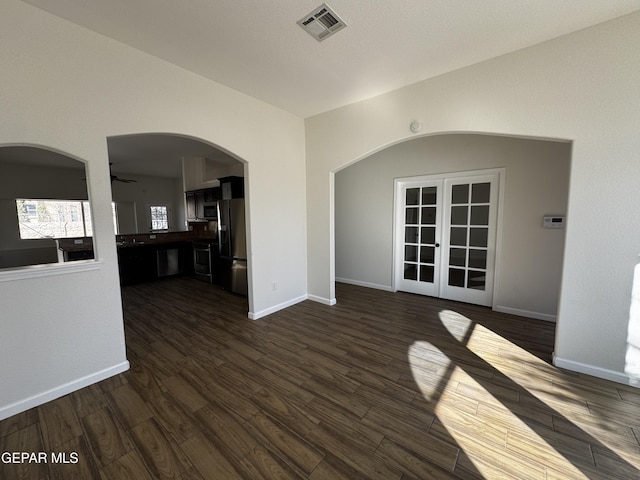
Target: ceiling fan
x=115 y=178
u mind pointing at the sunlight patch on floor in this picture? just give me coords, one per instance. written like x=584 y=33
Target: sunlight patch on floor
x=534 y=381
x=486 y=424
x=552 y=387
x=481 y=426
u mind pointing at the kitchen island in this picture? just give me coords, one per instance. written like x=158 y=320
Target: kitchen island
x=148 y=257
x=142 y=257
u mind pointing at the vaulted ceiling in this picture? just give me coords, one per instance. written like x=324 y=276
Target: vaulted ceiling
x=256 y=47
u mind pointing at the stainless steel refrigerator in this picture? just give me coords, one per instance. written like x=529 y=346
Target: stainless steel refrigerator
x=233 y=245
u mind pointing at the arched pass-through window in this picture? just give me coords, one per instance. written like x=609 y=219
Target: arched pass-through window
x=45 y=216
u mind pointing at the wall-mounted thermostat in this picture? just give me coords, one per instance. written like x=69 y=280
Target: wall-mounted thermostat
x=553 y=221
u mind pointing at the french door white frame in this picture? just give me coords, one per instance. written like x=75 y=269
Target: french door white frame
x=398 y=220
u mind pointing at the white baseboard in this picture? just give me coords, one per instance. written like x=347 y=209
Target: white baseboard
x=618 y=377
x=525 y=313
x=275 y=308
x=358 y=283
x=289 y=303
x=324 y=301
x=62 y=390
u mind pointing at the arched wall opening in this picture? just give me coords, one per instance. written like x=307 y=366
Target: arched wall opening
x=158 y=169
x=536 y=181
x=44 y=203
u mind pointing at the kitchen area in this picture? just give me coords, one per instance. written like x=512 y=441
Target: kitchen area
x=186 y=221
x=213 y=249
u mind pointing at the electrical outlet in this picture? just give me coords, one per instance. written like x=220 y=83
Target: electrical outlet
x=274 y=285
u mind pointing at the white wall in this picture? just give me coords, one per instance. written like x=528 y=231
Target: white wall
x=581 y=87
x=529 y=265
x=70 y=89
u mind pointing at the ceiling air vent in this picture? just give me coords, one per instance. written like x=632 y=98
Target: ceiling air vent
x=322 y=22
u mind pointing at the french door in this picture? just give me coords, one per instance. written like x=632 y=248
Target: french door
x=446 y=235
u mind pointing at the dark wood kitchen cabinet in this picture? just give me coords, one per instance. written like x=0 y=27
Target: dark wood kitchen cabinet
x=145 y=263
x=232 y=187
x=192 y=207
x=197 y=199
x=137 y=264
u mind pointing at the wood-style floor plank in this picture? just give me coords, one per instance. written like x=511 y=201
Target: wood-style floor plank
x=163 y=458
x=381 y=385
x=28 y=440
x=108 y=440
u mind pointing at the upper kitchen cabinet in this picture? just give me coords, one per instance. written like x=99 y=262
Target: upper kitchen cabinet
x=201 y=204
x=191 y=203
x=204 y=172
x=232 y=187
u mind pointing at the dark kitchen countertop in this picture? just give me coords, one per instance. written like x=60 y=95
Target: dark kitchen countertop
x=79 y=244
x=139 y=240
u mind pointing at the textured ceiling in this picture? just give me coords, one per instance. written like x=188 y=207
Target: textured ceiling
x=256 y=47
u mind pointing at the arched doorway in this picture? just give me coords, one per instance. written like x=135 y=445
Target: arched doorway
x=171 y=184
x=528 y=257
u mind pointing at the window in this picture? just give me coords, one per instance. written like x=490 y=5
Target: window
x=30 y=210
x=159 y=217
x=53 y=218
x=114 y=214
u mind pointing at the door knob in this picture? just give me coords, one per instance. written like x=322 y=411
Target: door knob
x=437 y=244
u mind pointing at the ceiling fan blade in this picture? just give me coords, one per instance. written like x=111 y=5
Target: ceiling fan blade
x=114 y=178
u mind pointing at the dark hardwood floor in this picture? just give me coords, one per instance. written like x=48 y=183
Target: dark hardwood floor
x=382 y=385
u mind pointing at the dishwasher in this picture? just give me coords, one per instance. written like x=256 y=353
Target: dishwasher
x=169 y=262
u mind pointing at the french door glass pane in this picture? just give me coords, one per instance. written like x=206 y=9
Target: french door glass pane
x=456 y=277
x=478 y=237
x=460 y=193
x=426 y=273
x=428 y=215
x=428 y=235
x=458 y=236
x=412 y=196
x=480 y=215
x=427 y=254
x=410 y=271
x=478 y=258
x=457 y=257
x=410 y=253
x=429 y=195
x=480 y=192
x=411 y=216
x=411 y=234
x=459 y=215
x=476 y=279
